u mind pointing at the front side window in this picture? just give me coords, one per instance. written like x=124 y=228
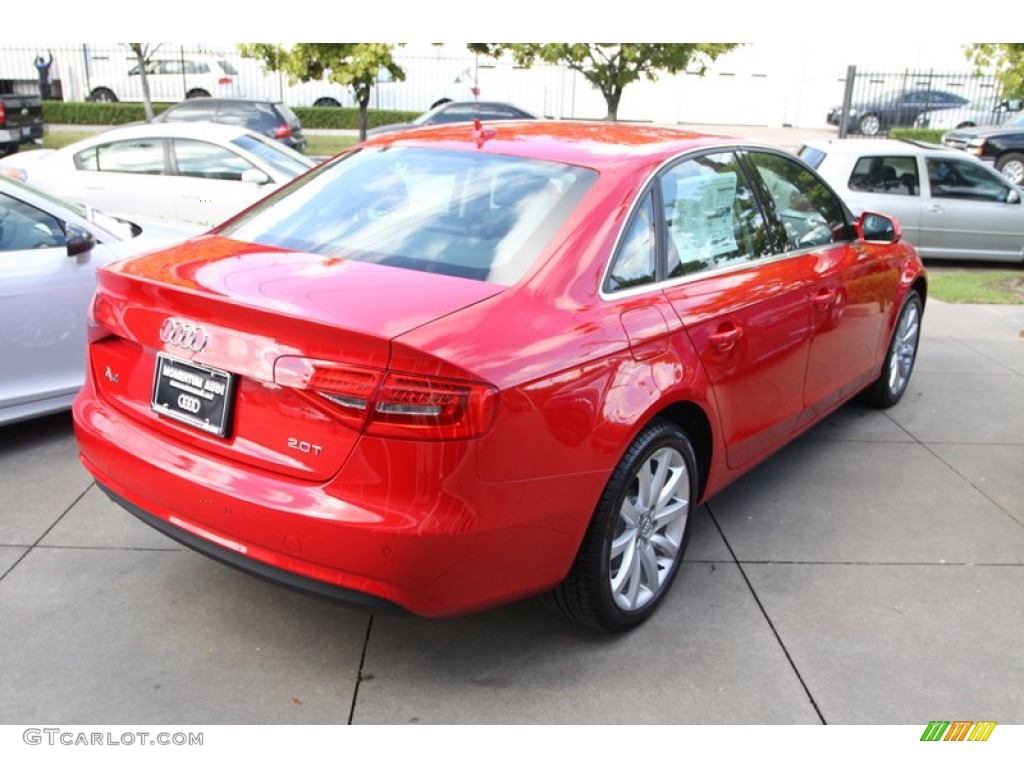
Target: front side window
x=956 y=179
x=467 y=214
x=712 y=217
x=809 y=212
x=23 y=227
x=203 y=160
x=886 y=176
x=142 y=156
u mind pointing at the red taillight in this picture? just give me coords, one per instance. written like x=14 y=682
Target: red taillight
x=3 y=116
x=395 y=405
x=101 y=320
x=225 y=81
x=283 y=131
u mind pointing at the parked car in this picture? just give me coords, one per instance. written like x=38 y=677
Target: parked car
x=874 y=116
x=459 y=112
x=1003 y=147
x=21 y=121
x=49 y=251
x=975 y=113
x=196 y=173
x=271 y=118
x=453 y=368
x=950 y=205
x=170 y=78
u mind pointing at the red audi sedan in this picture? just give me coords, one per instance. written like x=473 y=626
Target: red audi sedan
x=459 y=366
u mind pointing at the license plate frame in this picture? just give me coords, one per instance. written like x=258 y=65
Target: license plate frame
x=195 y=394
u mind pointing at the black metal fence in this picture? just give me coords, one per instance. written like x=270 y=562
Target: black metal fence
x=876 y=102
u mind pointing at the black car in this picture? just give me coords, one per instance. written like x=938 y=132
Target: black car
x=271 y=118
x=1002 y=146
x=459 y=112
x=895 y=109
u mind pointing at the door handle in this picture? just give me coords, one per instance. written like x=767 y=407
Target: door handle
x=936 y=208
x=726 y=339
x=824 y=299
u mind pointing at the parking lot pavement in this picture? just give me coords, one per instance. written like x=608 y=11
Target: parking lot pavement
x=872 y=572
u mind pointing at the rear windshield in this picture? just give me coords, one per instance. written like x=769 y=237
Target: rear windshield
x=466 y=214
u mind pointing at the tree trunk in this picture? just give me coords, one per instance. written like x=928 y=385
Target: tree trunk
x=140 y=57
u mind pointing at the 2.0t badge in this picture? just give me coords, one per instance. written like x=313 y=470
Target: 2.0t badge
x=183 y=334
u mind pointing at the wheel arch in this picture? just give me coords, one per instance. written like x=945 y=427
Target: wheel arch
x=693 y=420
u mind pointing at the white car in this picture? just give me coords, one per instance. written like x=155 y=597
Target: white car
x=975 y=113
x=950 y=205
x=49 y=252
x=171 y=78
x=195 y=173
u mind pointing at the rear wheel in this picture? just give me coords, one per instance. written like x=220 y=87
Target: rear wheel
x=326 y=101
x=635 y=542
x=899 y=361
x=870 y=125
x=197 y=93
x=102 y=96
x=1011 y=165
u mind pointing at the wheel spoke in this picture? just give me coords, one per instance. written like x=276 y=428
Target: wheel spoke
x=624 y=541
x=647 y=567
x=665 y=546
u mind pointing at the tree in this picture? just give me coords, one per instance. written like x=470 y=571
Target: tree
x=1006 y=60
x=143 y=53
x=610 y=67
x=356 y=65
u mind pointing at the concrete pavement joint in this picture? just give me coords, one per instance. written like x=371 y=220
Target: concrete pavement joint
x=44 y=534
x=767 y=618
x=957 y=472
x=359 y=672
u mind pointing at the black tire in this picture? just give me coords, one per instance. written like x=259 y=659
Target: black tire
x=1011 y=165
x=197 y=93
x=632 y=549
x=326 y=101
x=888 y=388
x=103 y=96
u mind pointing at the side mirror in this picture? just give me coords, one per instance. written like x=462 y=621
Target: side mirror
x=255 y=176
x=878 y=227
x=79 y=240
x=1013 y=197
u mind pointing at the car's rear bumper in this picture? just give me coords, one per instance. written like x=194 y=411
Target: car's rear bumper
x=404 y=525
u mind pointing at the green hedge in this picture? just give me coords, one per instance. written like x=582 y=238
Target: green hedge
x=929 y=135
x=121 y=112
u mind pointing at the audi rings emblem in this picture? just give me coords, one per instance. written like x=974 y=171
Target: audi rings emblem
x=180 y=333
x=189 y=403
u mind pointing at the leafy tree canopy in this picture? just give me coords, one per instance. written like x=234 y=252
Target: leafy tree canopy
x=355 y=65
x=610 y=67
x=1006 y=60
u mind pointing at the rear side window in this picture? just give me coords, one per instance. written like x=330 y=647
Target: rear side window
x=145 y=156
x=813 y=157
x=635 y=260
x=712 y=217
x=473 y=215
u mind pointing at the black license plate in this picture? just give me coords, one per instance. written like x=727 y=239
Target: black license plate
x=194 y=394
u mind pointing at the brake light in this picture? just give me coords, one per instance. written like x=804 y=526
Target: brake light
x=101 y=319
x=3 y=115
x=225 y=81
x=393 y=405
x=283 y=131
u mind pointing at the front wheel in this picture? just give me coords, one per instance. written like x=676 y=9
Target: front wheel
x=870 y=125
x=887 y=390
x=326 y=101
x=197 y=93
x=1011 y=165
x=635 y=541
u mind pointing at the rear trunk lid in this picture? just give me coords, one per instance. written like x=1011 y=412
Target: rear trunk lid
x=212 y=319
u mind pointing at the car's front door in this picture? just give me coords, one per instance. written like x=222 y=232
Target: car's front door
x=850 y=294
x=971 y=212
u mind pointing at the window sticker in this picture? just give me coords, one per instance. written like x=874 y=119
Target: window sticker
x=703 y=225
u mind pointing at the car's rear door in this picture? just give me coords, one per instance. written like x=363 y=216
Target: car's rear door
x=744 y=307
